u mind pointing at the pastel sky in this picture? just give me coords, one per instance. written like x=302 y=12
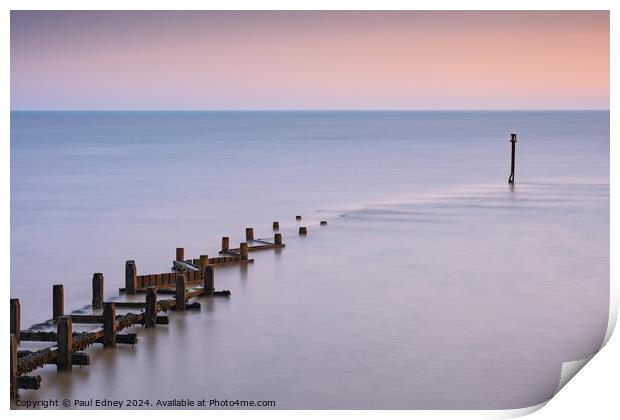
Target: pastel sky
x=309 y=60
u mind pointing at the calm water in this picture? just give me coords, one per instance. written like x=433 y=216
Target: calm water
x=433 y=286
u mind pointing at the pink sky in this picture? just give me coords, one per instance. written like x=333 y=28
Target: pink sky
x=309 y=60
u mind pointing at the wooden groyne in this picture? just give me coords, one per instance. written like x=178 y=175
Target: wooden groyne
x=68 y=346
x=188 y=278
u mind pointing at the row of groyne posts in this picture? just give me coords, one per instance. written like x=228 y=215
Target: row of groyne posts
x=188 y=278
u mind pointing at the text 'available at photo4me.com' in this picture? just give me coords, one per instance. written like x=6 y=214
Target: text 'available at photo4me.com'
x=105 y=403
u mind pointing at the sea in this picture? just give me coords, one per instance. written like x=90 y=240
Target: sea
x=434 y=285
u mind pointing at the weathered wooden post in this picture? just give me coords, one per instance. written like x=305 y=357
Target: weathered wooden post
x=97 y=291
x=297 y=217
x=249 y=234
x=276 y=225
x=243 y=250
x=303 y=230
x=131 y=277
x=58 y=301
x=180 y=256
x=109 y=325
x=277 y=239
x=513 y=140
x=64 y=337
x=13 y=368
x=323 y=222
x=209 y=280
x=180 y=293
x=15 y=318
x=150 y=312
x=225 y=243
x=204 y=261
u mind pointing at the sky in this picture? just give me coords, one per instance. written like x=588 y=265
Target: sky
x=125 y=60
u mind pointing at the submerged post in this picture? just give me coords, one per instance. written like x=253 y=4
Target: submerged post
x=276 y=225
x=180 y=256
x=225 y=243
x=150 y=313
x=58 y=301
x=131 y=277
x=303 y=230
x=15 y=318
x=513 y=140
x=97 y=291
x=243 y=250
x=109 y=325
x=65 y=343
x=180 y=292
x=249 y=234
x=209 y=280
x=277 y=239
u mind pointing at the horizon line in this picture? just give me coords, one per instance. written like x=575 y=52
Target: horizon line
x=308 y=110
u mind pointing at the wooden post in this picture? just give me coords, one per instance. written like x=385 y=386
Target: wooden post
x=15 y=318
x=277 y=239
x=109 y=325
x=297 y=217
x=323 y=222
x=225 y=243
x=80 y=359
x=276 y=225
x=180 y=254
x=58 y=301
x=513 y=140
x=97 y=291
x=131 y=277
x=13 y=368
x=249 y=234
x=150 y=312
x=180 y=292
x=204 y=261
x=303 y=230
x=64 y=339
x=209 y=280
x=243 y=250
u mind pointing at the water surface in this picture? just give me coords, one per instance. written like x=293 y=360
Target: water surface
x=435 y=285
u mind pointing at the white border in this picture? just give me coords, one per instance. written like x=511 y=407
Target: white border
x=570 y=407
